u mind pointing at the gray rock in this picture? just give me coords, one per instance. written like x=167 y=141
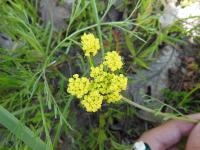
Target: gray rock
x=5 y=41
x=51 y=12
x=189 y=16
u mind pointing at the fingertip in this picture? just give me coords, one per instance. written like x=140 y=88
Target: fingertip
x=168 y=134
x=193 y=139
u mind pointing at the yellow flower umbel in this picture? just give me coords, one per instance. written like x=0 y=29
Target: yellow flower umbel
x=118 y=84
x=108 y=84
x=92 y=102
x=90 y=44
x=78 y=86
x=104 y=84
x=113 y=61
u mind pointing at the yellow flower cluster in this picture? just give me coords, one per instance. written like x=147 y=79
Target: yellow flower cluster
x=108 y=84
x=96 y=71
x=78 y=86
x=103 y=84
x=113 y=60
x=113 y=97
x=90 y=44
x=92 y=102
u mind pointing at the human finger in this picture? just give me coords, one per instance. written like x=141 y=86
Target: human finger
x=193 y=139
x=168 y=134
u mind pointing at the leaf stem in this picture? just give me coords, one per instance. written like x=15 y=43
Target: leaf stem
x=165 y=116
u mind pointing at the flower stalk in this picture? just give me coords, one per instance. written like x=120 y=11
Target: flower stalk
x=90 y=61
x=165 y=116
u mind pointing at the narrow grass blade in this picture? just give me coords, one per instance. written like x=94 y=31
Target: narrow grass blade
x=20 y=131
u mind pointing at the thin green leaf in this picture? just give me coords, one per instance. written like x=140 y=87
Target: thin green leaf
x=141 y=63
x=20 y=131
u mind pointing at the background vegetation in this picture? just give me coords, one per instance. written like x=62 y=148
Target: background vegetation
x=38 y=55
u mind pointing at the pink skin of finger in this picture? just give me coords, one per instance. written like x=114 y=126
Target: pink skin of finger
x=194 y=139
x=170 y=133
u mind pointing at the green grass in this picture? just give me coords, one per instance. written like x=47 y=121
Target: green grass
x=34 y=72
x=20 y=131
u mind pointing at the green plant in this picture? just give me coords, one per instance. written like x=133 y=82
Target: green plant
x=19 y=130
x=35 y=68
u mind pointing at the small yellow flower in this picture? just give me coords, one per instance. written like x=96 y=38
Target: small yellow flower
x=102 y=82
x=113 y=61
x=106 y=82
x=119 y=83
x=78 y=86
x=92 y=102
x=90 y=44
x=113 y=97
x=96 y=71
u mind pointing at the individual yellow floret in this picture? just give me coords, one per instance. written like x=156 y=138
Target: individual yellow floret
x=90 y=44
x=92 y=102
x=113 y=61
x=113 y=97
x=78 y=86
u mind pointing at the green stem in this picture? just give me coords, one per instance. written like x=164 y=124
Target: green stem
x=91 y=61
x=156 y=113
x=94 y=7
